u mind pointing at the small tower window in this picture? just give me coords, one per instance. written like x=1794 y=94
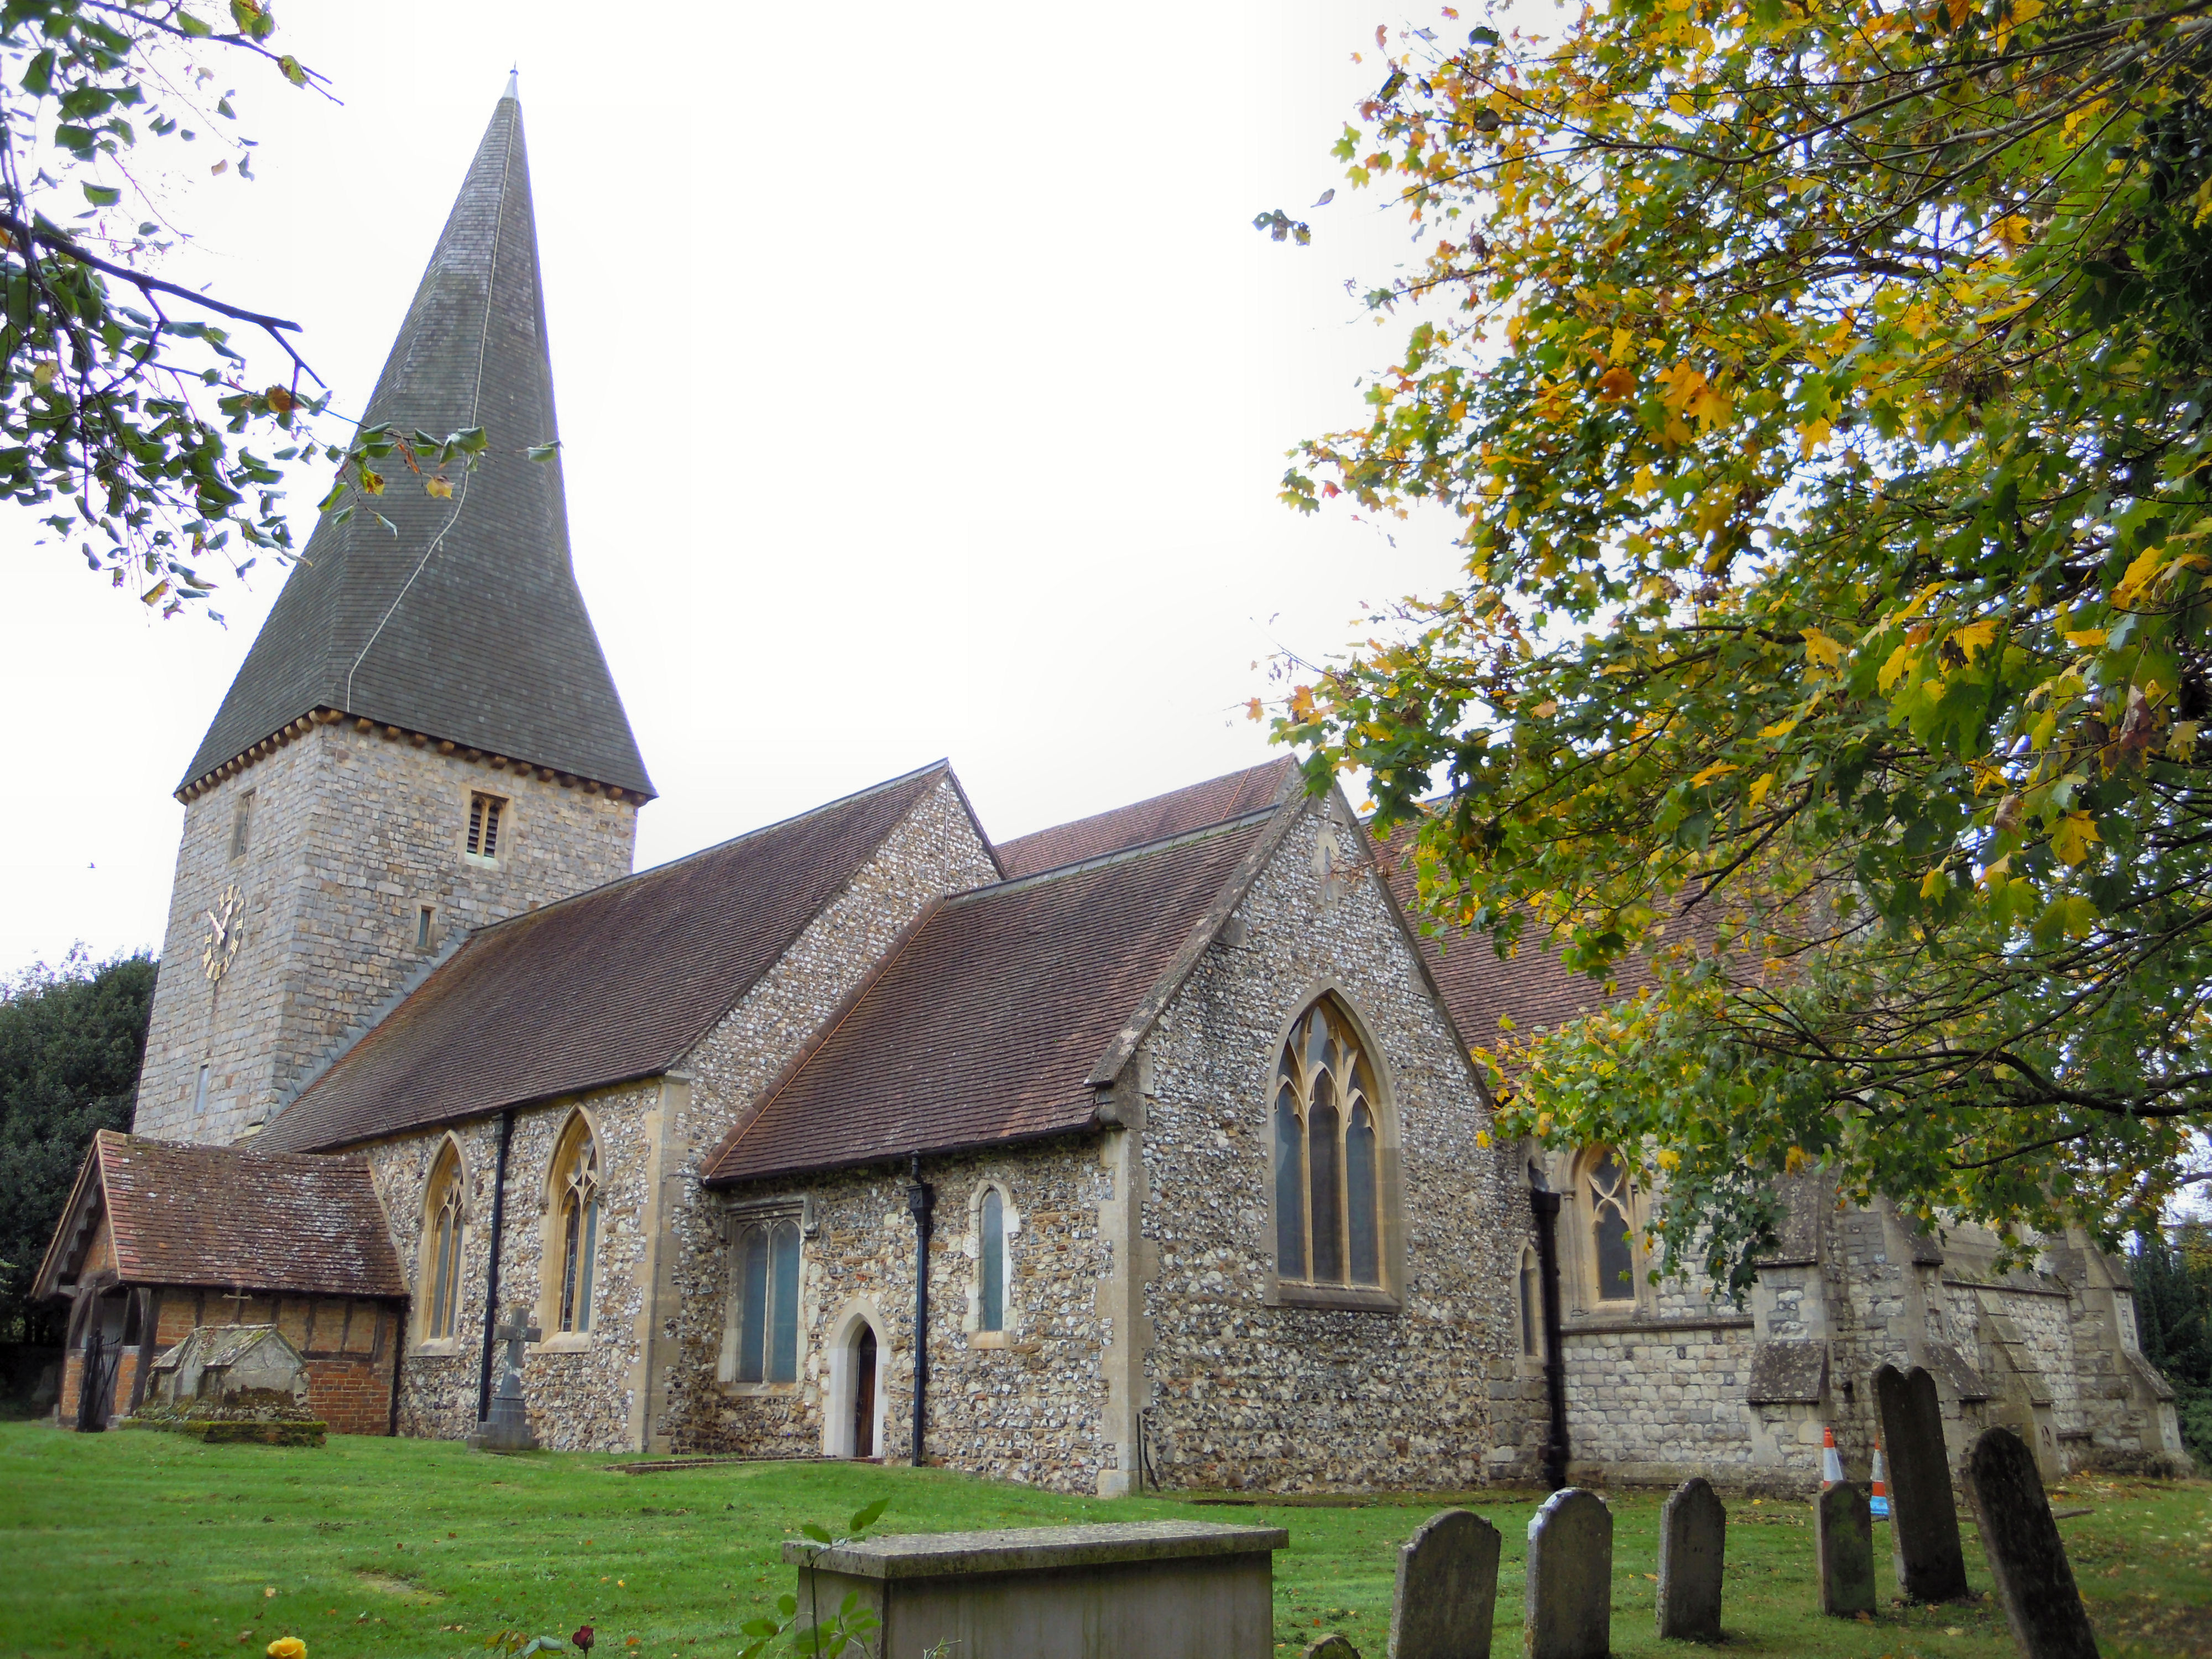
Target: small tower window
x=485 y=812
x=422 y=918
x=241 y=825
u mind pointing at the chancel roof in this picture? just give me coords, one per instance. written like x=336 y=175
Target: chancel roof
x=613 y=985
x=240 y=1217
x=1174 y=813
x=466 y=625
x=999 y=1018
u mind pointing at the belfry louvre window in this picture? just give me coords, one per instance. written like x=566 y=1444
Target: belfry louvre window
x=241 y=825
x=1615 y=1256
x=1327 y=1170
x=485 y=812
x=765 y=1260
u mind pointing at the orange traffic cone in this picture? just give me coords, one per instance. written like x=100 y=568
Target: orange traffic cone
x=1879 y=1505
x=1832 y=1462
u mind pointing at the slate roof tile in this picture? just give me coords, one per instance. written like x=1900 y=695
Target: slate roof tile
x=983 y=1030
x=245 y=1218
x=1175 y=813
x=614 y=984
x=466 y=625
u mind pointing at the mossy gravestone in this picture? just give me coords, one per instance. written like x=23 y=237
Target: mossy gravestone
x=1447 y=1589
x=1924 y=1515
x=2035 y=1581
x=1692 y=1538
x=1331 y=1646
x=1570 y=1589
x=1843 y=1536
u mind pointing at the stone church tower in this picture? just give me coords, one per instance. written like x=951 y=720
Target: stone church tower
x=424 y=737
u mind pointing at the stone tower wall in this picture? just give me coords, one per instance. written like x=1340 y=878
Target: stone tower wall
x=352 y=832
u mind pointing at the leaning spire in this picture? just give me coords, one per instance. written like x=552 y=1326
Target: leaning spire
x=465 y=626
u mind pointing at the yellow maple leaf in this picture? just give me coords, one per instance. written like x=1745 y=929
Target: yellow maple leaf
x=1821 y=649
x=1759 y=788
x=2071 y=835
x=1717 y=770
x=1812 y=435
x=1933 y=884
x=1974 y=636
x=1615 y=384
x=441 y=487
x=2085 y=639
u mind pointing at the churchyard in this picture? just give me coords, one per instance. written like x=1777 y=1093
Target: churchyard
x=134 y=1543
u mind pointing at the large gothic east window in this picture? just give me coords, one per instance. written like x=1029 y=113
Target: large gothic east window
x=1328 y=1163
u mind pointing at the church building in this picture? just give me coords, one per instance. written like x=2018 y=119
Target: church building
x=1145 y=1151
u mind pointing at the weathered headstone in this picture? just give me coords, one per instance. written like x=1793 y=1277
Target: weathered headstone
x=1923 y=1515
x=1693 y=1540
x=1843 y=1536
x=1569 y=1587
x=1447 y=1589
x=2035 y=1581
x=1331 y=1646
x=507 y=1428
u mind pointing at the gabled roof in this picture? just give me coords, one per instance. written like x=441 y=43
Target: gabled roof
x=612 y=985
x=1175 y=813
x=230 y=1216
x=466 y=625
x=990 y=1024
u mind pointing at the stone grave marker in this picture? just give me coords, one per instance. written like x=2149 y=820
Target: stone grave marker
x=1570 y=1586
x=1843 y=1535
x=1692 y=1540
x=1446 y=1593
x=1923 y=1515
x=1331 y=1646
x=2035 y=1581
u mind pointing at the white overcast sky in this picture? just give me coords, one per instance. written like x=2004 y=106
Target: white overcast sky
x=923 y=384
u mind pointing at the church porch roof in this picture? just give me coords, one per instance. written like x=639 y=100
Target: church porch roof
x=236 y=1217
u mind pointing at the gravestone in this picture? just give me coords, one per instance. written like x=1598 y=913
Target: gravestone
x=1843 y=1536
x=507 y=1428
x=1923 y=1515
x=2035 y=1581
x=1570 y=1586
x=1331 y=1646
x=1447 y=1589
x=1692 y=1538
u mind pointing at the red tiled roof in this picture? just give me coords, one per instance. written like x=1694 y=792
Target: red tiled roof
x=1531 y=986
x=238 y=1217
x=1177 y=813
x=984 y=1028
x=614 y=984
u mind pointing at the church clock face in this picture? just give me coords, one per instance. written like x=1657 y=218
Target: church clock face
x=225 y=928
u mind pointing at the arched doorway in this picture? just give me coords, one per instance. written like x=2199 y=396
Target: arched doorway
x=864 y=1391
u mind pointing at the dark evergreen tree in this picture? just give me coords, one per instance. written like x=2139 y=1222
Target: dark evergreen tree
x=2174 y=1310
x=70 y=1042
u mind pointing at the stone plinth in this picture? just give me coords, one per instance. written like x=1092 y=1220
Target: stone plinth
x=1168 y=1589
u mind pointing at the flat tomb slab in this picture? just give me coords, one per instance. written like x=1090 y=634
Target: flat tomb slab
x=1168 y=1589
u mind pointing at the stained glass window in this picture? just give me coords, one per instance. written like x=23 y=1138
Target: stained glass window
x=1327 y=1156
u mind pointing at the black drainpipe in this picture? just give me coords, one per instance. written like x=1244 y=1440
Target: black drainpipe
x=1546 y=1207
x=919 y=1196
x=491 y=1277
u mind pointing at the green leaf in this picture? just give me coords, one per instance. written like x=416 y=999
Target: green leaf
x=544 y=452
x=820 y=1534
x=863 y=1518
x=102 y=194
x=39 y=74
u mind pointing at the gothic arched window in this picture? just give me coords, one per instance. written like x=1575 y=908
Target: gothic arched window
x=1327 y=1167
x=1532 y=1296
x=1612 y=1251
x=764 y=1262
x=576 y=1223
x=440 y=1269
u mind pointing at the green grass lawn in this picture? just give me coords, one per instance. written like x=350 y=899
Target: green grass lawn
x=149 y=1544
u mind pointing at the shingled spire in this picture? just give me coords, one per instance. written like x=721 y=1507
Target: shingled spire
x=466 y=626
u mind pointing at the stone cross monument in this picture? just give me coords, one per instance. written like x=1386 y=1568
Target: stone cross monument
x=507 y=1428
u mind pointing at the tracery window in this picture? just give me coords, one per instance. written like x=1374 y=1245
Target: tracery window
x=991 y=1226
x=576 y=1210
x=1612 y=1251
x=765 y=1265
x=440 y=1261
x=1327 y=1195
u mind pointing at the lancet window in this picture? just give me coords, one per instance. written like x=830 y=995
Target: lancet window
x=765 y=1264
x=577 y=1213
x=1612 y=1251
x=441 y=1268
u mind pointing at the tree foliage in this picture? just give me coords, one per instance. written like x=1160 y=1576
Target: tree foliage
x=2173 y=1310
x=126 y=410
x=1820 y=388
x=70 y=1040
